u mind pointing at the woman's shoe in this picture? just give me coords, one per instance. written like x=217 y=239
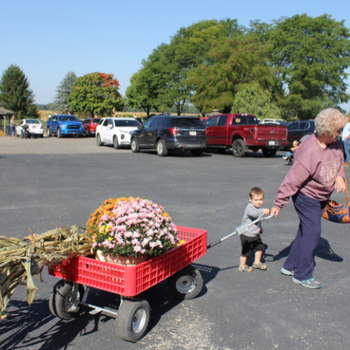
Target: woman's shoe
x=286 y=272
x=260 y=266
x=311 y=283
x=245 y=269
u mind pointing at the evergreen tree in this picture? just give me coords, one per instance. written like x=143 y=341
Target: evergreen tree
x=63 y=90
x=15 y=93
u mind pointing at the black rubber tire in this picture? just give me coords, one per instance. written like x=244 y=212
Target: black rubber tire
x=134 y=145
x=115 y=142
x=185 y=284
x=133 y=319
x=161 y=149
x=238 y=148
x=48 y=133
x=269 y=153
x=32 y=136
x=64 y=300
x=87 y=132
x=59 y=134
x=52 y=300
x=197 y=152
x=98 y=140
x=221 y=150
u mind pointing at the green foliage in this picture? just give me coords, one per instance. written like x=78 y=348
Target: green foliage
x=96 y=93
x=233 y=63
x=15 y=93
x=254 y=100
x=147 y=82
x=47 y=107
x=311 y=55
x=63 y=91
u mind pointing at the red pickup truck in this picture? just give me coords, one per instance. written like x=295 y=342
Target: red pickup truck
x=243 y=132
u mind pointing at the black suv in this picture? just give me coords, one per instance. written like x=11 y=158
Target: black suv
x=297 y=130
x=166 y=133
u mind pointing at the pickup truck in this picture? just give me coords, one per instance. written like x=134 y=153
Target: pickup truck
x=63 y=125
x=243 y=132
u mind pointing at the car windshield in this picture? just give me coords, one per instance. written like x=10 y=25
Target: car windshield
x=188 y=122
x=69 y=118
x=132 y=122
x=95 y=121
x=32 y=121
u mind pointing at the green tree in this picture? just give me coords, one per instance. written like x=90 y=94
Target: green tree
x=96 y=93
x=254 y=100
x=233 y=63
x=147 y=82
x=189 y=48
x=15 y=93
x=62 y=92
x=311 y=56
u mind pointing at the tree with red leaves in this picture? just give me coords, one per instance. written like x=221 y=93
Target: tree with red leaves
x=96 y=93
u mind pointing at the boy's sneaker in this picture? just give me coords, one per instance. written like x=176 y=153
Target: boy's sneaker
x=260 y=266
x=245 y=269
x=311 y=283
x=286 y=272
x=285 y=158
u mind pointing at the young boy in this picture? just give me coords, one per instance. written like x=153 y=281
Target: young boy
x=292 y=150
x=250 y=240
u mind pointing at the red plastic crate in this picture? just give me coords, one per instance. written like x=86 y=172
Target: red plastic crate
x=132 y=280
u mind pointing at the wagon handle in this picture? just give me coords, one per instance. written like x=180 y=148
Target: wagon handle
x=242 y=228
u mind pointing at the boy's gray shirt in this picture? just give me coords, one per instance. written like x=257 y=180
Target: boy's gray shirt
x=250 y=214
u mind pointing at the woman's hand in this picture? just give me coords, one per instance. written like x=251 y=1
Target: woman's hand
x=275 y=211
x=339 y=184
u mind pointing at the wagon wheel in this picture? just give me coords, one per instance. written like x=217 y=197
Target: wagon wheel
x=52 y=300
x=66 y=300
x=133 y=319
x=185 y=284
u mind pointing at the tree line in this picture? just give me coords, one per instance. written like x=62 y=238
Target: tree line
x=292 y=67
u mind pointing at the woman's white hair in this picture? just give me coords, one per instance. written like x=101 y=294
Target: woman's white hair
x=329 y=121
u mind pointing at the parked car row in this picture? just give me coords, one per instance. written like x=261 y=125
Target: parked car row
x=166 y=133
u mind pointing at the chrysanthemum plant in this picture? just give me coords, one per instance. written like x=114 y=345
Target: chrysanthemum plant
x=131 y=227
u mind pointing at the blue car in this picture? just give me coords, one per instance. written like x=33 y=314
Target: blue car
x=64 y=125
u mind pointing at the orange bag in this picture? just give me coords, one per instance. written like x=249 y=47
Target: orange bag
x=338 y=212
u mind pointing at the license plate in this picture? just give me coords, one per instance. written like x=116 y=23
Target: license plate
x=272 y=142
x=193 y=133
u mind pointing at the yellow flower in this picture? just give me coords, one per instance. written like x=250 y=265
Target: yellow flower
x=110 y=238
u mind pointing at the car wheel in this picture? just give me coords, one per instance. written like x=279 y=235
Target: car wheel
x=134 y=146
x=32 y=136
x=197 y=152
x=269 y=153
x=185 y=284
x=238 y=148
x=115 y=142
x=87 y=132
x=59 y=134
x=48 y=133
x=98 y=140
x=161 y=149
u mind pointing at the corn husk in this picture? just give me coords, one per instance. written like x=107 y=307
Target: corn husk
x=22 y=259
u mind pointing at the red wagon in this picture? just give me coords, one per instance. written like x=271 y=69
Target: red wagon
x=78 y=275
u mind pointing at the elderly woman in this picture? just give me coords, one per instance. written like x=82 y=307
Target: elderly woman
x=316 y=172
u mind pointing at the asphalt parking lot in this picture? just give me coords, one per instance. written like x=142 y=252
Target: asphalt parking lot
x=48 y=183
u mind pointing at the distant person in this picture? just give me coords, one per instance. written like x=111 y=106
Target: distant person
x=292 y=150
x=345 y=136
x=250 y=240
x=316 y=173
x=13 y=126
x=56 y=113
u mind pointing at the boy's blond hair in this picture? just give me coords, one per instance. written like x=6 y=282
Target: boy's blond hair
x=255 y=191
x=295 y=143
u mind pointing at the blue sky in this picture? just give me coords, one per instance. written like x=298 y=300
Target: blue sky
x=47 y=39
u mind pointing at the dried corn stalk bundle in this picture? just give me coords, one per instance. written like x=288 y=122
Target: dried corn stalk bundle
x=21 y=259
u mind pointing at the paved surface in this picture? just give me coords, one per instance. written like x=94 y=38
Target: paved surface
x=48 y=183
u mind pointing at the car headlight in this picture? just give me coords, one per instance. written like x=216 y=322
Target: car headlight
x=64 y=126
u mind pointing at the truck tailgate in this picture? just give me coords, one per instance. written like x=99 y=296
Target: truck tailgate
x=271 y=132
